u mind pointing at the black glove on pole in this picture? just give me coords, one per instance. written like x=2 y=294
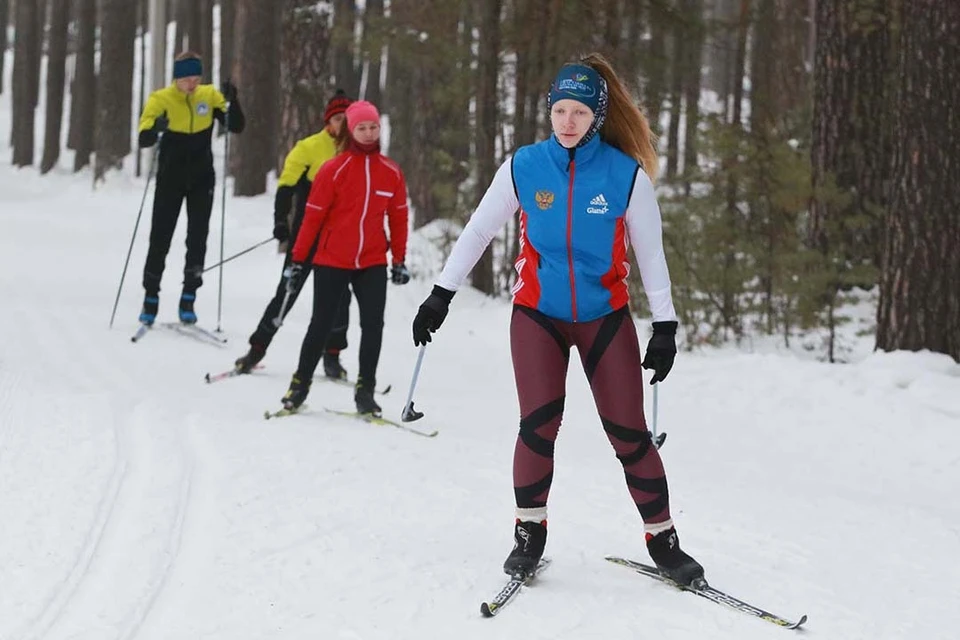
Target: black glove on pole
x=661 y=350
x=431 y=314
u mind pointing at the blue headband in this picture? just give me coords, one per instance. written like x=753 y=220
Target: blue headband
x=578 y=82
x=585 y=85
x=187 y=67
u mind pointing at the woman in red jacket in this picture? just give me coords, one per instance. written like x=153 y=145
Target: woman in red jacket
x=351 y=196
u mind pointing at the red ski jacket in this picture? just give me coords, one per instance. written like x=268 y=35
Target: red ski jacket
x=344 y=219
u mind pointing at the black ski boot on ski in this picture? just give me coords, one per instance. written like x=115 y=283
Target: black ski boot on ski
x=252 y=358
x=529 y=540
x=297 y=393
x=363 y=396
x=332 y=367
x=186 y=312
x=671 y=560
x=151 y=305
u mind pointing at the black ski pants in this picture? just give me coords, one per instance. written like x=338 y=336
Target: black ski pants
x=167 y=200
x=329 y=284
x=267 y=328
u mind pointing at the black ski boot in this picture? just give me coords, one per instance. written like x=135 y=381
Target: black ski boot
x=332 y=367
x=671 y=560
x=297 y=393
x=252 y=358
x=151 y=305
x=363 y=396
x=529 y=539
x=187 y=315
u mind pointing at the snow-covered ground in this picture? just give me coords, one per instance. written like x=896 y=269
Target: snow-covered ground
x=139 y=502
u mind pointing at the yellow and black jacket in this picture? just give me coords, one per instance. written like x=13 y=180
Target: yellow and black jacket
x=299 y=168
x=185 y=148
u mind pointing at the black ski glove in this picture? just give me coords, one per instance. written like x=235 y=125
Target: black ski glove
x=161 y=124
x=229 y=91
x=399 y=274
x=281 y=231
x=296 y=275
x=431 y=314
x=661 y=350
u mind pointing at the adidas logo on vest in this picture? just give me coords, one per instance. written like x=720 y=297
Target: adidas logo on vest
x=598 y=205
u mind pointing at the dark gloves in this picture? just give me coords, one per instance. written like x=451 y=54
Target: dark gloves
x=431 y=314
x=161 y=124
x=281 y=231
x=229 y=91
x=296 y=274
x=399 y=274
x=661 y=350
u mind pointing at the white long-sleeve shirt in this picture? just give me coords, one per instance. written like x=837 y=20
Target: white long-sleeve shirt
x=643 y=224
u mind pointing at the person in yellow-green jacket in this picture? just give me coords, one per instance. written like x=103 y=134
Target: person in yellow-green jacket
x=299 y=168
x=181 y=116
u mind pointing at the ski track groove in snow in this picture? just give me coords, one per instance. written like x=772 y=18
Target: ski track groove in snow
x=49 y=338
x=92 y=372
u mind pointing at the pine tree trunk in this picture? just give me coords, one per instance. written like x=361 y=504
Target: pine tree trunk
x=188 y=36
x=344 y=58
x=693 y=10
x=303 y=73
x=84 y=89
x=115 y=85
x=206 y=38
x=919 y=295
x=4 y=21
x=56 y=78
x=257 y=32
x=36 y=56
x=850 y=124
x=487 y=123
x=373 y=38
x=228 y=19
x=24 y=48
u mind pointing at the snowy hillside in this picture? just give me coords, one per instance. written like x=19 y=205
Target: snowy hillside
x=139 y=502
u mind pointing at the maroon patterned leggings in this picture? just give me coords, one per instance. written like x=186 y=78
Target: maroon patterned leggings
x=610 y=355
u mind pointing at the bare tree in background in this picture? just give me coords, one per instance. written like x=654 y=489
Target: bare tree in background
x=257 y=32
x=84 y=88
x=373 y=41
x=346 y=70
x=206 y=38
x=24 y=81
x=487 y=121
x=4 y=19
x=228 y=18
x=118 y=29
x=304 y=81
x=919 y=293
x=188 y=36
x=56 y=79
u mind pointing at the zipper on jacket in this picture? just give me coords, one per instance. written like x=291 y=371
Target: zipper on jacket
x=573 y=283
x=190 y=108
x=366 y=203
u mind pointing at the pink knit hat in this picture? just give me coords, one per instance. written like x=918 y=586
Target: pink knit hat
x=361 y=111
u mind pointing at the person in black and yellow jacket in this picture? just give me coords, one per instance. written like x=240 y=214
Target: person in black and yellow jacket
x=299 y=168
x=183 y=114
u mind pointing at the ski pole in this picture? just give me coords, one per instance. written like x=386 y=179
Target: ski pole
x=237 y=255
x=409 y=413
x=657 y=439
x=278 y=321
x=223 y=209
x=136 y=225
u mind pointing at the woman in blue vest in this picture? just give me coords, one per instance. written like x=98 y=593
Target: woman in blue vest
x=584 y=196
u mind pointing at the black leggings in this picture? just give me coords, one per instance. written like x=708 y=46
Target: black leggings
x=610 y=356
x=329 y=284
x=167 y=201
x=267 y=328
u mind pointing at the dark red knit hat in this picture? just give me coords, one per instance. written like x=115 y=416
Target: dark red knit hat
x=337 y=104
